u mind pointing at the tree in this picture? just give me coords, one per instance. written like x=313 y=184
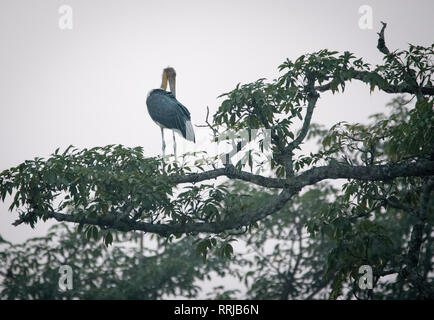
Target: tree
x=31 y=270
x=382 y=215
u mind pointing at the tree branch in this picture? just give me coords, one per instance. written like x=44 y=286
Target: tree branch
x=420 y=168
x=409 y=86
x=381 y=41
x=231 y=172
x=312 y=99
x=363 y=75
x=126 y=224
x=275 y=203
x=314 y=175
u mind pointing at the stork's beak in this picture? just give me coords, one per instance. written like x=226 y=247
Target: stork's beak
x=171 y=76
x=172 y=85
x=164 y=81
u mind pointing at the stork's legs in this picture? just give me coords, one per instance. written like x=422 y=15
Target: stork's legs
x=174 y=143
x=163 y=144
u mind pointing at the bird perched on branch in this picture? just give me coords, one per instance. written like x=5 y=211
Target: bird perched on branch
x=168 y=112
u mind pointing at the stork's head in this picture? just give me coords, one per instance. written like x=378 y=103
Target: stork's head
x=169 y=74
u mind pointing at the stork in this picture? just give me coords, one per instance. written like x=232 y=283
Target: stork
x=169 y=113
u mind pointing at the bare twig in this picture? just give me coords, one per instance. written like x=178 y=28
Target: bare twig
x=208 y=125
x=381 y=41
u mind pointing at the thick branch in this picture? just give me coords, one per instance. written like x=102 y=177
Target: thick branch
x=420 y=168
x=125 y=224
x=275 y=203
x=231 y=172
x=314 y=175
x=111 y=221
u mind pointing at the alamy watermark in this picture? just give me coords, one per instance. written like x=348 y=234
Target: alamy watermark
x=66 y=17
x=250 y=142
x=65 y=279
x=366 y=19
x=365 y=281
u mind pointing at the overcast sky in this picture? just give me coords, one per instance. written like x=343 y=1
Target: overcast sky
x=87 y=86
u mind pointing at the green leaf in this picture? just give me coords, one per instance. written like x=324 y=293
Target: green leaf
x=95 y=233
x=108 y=240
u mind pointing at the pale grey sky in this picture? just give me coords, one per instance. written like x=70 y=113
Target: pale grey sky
x=87 y=86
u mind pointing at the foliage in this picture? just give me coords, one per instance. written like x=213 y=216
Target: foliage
x=123 y=271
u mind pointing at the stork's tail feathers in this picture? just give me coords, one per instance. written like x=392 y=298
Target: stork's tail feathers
x=189 y=132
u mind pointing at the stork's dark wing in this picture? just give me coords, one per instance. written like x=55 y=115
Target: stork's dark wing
x=167 y=111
